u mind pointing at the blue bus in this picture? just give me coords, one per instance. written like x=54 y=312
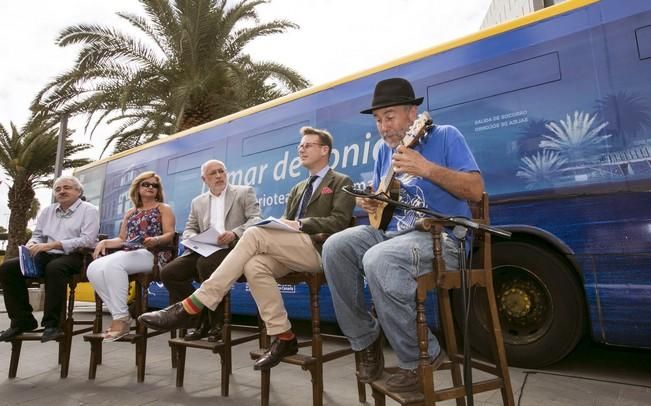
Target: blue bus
x=556 y=107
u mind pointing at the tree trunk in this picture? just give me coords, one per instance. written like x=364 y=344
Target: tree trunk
x=21 y=195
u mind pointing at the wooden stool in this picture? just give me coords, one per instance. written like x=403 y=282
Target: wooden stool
x=140 y=335
x=222 y=347
x=443 y=281
x=312 y=362
x=68 y=324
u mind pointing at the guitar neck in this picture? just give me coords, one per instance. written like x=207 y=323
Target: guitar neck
x=386 y=181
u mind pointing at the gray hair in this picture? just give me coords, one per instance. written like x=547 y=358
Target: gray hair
x=211 y=161
x=71 y=179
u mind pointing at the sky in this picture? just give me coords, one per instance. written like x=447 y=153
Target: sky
x=336 y=38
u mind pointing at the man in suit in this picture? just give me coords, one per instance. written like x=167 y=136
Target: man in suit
x=229 y=209
x=316 y=205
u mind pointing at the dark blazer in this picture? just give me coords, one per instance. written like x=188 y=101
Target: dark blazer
x=330 y=208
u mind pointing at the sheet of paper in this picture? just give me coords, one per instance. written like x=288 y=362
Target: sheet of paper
x=272 y=222
x=204 y=244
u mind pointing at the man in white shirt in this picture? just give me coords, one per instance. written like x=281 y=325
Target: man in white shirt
x=61 y=229
x=229 y=209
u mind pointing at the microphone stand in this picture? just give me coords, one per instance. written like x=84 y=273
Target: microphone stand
x=460 y=231
x=458 y=220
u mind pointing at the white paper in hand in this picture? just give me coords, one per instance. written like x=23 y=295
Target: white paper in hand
x=204 y=244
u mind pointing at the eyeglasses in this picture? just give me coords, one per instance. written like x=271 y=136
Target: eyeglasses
x=308 y=145
x=150 y=185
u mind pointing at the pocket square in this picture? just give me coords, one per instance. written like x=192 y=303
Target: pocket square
x=326 y=191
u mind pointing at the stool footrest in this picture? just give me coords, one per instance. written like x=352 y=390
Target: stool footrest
x=417 y=397
x=296 y=359
x=131 y=337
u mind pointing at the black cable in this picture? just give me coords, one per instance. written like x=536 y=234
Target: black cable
x=460 y=233
x=524 y=382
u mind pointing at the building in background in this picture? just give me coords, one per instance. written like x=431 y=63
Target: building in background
x=504 y=10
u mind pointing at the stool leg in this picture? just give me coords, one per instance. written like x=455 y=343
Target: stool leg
x=317 y=343
x=141 y=356
x=498 y=346
x=361 y=388
x=180 y=365
x=265 y=386
x=16 y=346
x=226 y=370
x=95 y=357
x=65 y=353
x=173 y=349
x=379 y=398
x=450 y=338
x=97 y=328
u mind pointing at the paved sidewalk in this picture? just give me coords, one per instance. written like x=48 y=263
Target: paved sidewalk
x=38 y=382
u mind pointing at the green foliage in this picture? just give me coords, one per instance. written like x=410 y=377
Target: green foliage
x=186 y=68
x=28 y=156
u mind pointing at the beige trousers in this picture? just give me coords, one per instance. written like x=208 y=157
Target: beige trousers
x=262 y=255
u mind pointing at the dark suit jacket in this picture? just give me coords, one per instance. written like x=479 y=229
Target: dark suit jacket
x=330 y=208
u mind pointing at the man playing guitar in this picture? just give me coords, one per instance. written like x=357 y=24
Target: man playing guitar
x=435 y=170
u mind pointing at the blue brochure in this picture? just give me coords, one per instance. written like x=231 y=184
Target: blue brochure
x=135 y=243
x=29 y=266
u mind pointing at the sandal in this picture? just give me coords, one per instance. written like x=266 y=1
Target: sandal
x=119 y=328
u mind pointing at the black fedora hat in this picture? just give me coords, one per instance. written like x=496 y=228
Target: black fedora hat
x=393 y=92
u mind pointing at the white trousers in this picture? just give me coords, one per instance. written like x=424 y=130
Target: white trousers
x=109 y=276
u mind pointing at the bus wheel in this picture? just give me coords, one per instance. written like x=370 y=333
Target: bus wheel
x=540 y=302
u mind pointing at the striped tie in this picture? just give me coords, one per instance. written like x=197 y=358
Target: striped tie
x=307 y=195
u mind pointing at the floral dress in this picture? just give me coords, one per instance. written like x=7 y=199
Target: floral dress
x=142 y=224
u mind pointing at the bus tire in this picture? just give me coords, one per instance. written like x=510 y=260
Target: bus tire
x=540 y=301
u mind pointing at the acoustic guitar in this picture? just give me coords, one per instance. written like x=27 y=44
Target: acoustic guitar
x=389 y=186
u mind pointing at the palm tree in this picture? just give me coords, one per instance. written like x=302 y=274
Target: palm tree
x=575 y=138
x=28 y=156
x=542 y=169
x=627 y=114
x=189 y=68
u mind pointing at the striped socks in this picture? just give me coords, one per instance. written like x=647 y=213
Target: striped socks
x=192 y=305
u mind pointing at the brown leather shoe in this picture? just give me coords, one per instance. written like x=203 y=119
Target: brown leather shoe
x=405 y=380
x=275 y=353
x=408 y=380
x=371 y=363
x=171 y=317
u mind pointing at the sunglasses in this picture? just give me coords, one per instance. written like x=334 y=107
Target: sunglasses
x=150 y=185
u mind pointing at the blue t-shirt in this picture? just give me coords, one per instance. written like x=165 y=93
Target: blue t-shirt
x=445 y=146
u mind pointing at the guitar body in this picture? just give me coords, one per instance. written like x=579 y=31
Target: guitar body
x=384 y=212
x=389 y=186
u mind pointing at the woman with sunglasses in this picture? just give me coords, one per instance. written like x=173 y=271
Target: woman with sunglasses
x=149 y=224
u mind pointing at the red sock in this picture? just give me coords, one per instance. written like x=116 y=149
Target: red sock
x=286 y=336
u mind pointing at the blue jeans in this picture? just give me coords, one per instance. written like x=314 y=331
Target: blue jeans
x=390 y=262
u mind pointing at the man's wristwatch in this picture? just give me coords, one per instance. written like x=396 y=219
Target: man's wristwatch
x=300 y=225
